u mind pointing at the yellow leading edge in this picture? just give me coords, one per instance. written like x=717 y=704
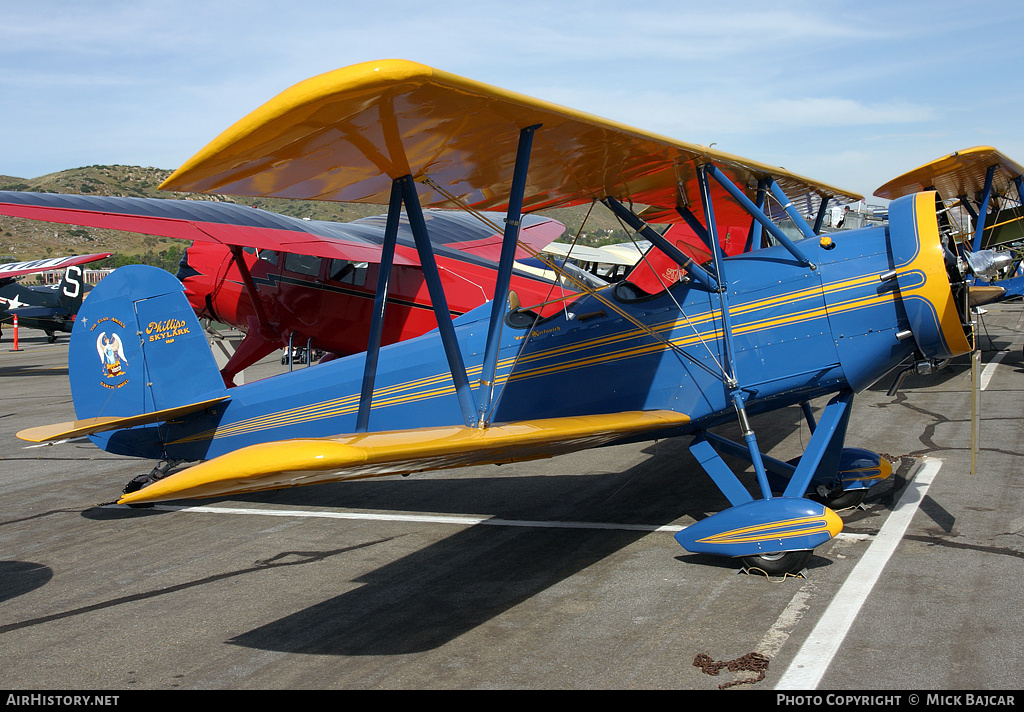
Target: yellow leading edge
x=293 y=463
x=345 y=135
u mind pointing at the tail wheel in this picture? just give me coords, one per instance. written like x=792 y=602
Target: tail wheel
x=778 y=564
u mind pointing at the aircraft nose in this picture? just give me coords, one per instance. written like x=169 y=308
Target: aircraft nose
x=932 y=288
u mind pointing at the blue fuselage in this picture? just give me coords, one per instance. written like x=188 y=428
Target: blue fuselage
x=796 y=333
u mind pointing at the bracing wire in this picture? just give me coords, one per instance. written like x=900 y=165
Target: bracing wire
x=585 y=289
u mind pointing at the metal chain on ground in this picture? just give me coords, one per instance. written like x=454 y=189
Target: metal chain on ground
x=751 y=662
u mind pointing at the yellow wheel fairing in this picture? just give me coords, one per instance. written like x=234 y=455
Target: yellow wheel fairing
x=856 y=475
x=924 y=282
x=828 y=523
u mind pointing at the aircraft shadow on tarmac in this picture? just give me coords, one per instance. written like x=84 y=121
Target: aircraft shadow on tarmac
x=31 y=369
x=20 y=577
x=438 y=593
x=432 y=596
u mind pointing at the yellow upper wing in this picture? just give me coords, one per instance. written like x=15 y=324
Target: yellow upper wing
x=958 y=174
x=306 y=461
x=344 y=135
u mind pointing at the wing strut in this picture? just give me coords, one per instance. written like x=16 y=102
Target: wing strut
x=250 y=286
x=820 y=218
x=983 y=208
x=760 y=216
x=791 y=211
x=698 y=227
x=380 y=300
x=755 y=237
x=716 y=255
x=467 y=401
x=735 y=391
x=501 y=285
x=403 y=192
x=695 y=270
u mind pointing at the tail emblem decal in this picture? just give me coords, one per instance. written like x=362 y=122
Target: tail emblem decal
x=111 y=352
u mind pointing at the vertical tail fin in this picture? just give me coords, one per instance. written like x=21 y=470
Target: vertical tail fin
x=71 y=289
x=137 y=347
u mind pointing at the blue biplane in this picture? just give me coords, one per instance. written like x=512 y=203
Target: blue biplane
x=821 y=316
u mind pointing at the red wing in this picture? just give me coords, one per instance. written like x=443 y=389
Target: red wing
x=201 y=220
x=232 y=224
x=17 y=269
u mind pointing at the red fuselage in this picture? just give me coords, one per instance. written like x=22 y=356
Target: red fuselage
x=328 y=303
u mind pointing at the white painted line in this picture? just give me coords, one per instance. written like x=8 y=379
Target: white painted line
x=814 y=657
x=429 y=518
x=990 y=369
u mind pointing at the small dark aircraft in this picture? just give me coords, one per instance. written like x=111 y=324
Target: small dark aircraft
x=309 y=284
x=52 y=307
x=817 y=317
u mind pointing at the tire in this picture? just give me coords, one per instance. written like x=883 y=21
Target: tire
x=780 y=564
x=842 y=500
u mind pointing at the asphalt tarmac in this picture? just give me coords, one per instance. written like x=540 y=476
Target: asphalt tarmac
x=555 y=574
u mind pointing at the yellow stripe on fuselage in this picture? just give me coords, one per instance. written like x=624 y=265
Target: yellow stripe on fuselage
x=440 y=384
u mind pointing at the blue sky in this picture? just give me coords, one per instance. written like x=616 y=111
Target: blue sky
x=852 y=94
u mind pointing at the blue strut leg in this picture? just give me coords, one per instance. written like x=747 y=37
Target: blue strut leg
x=759 y=215
x=792 y=522
x=379 y=305
x=820 y=461
x=467 y=401
x=508 y=253
x=825 y=447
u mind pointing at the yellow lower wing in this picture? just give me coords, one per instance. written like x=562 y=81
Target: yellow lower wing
x=293 y=463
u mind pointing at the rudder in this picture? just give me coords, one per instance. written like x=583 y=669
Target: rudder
x=71 y=289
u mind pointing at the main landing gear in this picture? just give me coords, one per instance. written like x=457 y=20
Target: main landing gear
x=777 y=533
x=783 y=563
x=163 y=468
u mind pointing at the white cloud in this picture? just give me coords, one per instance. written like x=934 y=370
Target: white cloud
x=155 y=81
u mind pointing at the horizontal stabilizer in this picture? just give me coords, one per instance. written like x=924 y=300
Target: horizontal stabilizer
x=292 y=463
x=88 y=426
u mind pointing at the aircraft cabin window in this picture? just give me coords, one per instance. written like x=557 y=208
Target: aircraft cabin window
x=267 y=256
x=302 y=264
x=349 y=272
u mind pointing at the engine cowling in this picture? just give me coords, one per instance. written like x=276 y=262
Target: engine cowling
x=932 y=287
